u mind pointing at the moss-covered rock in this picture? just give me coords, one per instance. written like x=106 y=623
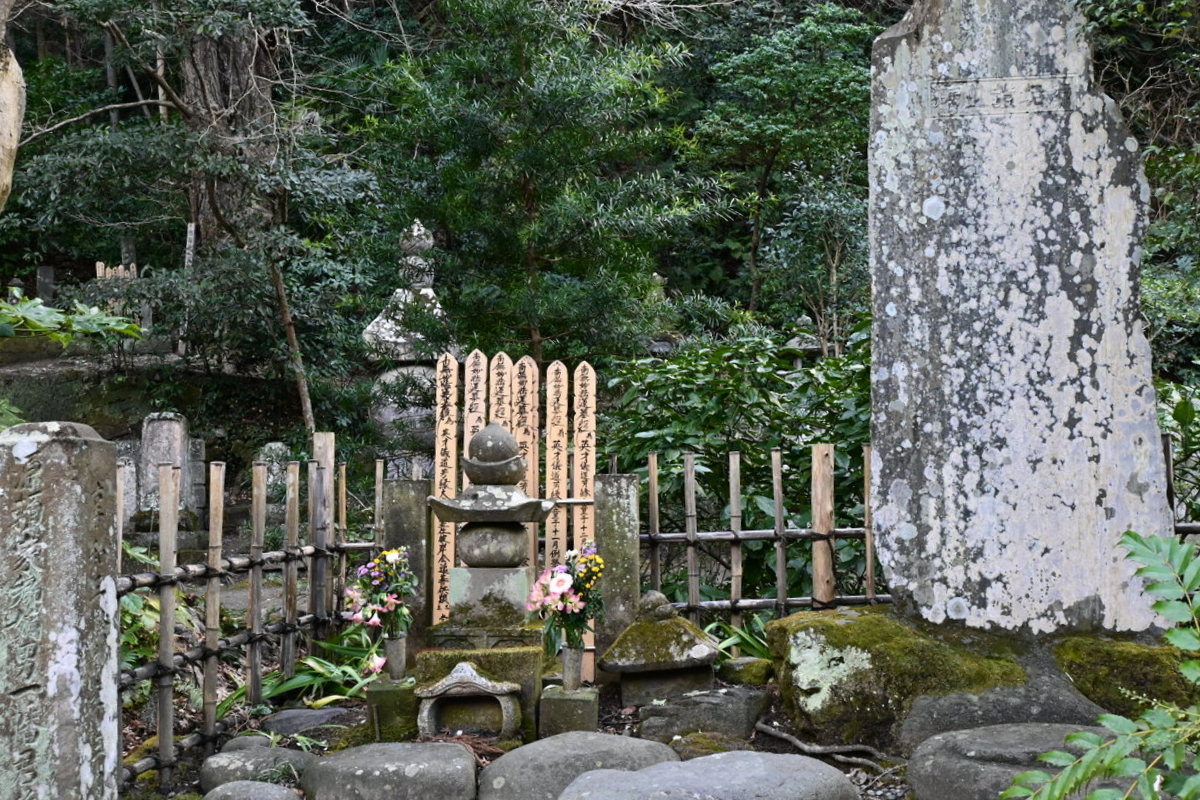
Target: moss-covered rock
x=747 y=670
x=706 y=743
x=520 y=665
x=654 y=645
x=850 y=675
x=1121 y=674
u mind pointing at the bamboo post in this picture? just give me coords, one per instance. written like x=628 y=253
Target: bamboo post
x=824 y=586
x=258 y=525
x=291 y=568
x=340 y=533
x=868 y=529
x=377 y=516
x=319 y=576
x=652 y=522
x=168 y=530
x=735 y=549
x=689 y=514
x=212 y=598
x=781 y=576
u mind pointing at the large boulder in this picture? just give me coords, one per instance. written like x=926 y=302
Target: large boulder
x=980 y=763
x=541 y=770
x=740 y=775
x=852 y=675
x=264 y=764
x=393 y=771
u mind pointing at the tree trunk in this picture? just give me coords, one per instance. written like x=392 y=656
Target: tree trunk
x=12 y=105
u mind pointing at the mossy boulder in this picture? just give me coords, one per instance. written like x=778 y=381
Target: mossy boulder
x=1121 y=675
x=747 y=670
x=851 y=675
x=655 y=645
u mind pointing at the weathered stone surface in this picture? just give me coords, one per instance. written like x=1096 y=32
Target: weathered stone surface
x=850 y=675
x=393 y=771
x=617 y=528
x=519 y=665
x=251 y=790
x=747 y=670
x=265 y=764
x=726 y=711
x=654 y=645
x=392 y=708
x=59 y=708
x=390 y=336
x=1012 y=412
x=164 y=441
x=246 y=741
x=291 y=721
x=739 y=775
x=541 y=770
x=406 y=524
x=561 y=710
x=1046 y=698
x=12 y=111
x=980 y=763
x=641 y=688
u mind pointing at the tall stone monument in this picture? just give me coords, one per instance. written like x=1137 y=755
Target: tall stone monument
x=1013 y=412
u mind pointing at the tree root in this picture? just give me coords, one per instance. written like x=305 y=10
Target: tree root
x=836 y=752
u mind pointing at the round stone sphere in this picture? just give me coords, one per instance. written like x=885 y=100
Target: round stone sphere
x=491 y=544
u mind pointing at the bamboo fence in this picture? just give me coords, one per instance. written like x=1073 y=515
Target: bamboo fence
x=323 y=560
x=822 y=535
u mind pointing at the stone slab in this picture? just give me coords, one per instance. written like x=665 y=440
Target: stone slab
x=393 y=771
x=731 y=712
x=740 y=775
x=642 y=688
x=392 y=708
x=561 y=710
x=472 y=585
x=1013 y=414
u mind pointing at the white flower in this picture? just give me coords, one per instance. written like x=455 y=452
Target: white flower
x=560 y=583
x=393 y=556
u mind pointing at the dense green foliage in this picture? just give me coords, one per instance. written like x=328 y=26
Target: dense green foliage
x=1155 y=754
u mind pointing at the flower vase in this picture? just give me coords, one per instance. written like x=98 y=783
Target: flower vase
x=396 y=651
x=572 y=667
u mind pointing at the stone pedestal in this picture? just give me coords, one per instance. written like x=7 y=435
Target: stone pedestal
x=561 y=710
x=470 y=586
x=392 y=709
x=164 y=441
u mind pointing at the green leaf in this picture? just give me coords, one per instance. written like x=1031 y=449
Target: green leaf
x=1183 y=638
x=1117 y=724
x=1190 y=670
x=1058 y=758
x=1174 y=610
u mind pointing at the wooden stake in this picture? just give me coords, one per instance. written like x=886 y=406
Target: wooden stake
x=824 y=585
x=526 y=424
x=735 y=549
x=556 y=461
x=781 y=577
x=212 y=598
x=445 y=481
x=583 y=437
x=291 y=569
x=689 y=515
x=258 y=526
x=652 y=522
x=168 y=531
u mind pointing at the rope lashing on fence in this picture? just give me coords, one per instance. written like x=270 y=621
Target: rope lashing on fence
x=232 y=565
x=130 y=772
x=195 y=655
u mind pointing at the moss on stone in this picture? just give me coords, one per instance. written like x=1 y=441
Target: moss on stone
x=748 y=671
x=649 y=645
x=520 y=665
x=1116 y=672
x=850 y=675
x=353 y=736
x=707 y=743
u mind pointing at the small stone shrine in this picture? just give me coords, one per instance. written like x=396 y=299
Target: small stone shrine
x=484 y=673
x=661 y=654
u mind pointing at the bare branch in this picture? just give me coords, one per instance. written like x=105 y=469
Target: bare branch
x=38 y=134
x=833 y=751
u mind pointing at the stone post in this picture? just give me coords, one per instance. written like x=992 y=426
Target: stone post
x=617 y=526
x=197 y=491
x=45 y=284
x=1013 y=414
x=406 y=519
x=127 y=475
x=59 y=707
x=164 y=441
